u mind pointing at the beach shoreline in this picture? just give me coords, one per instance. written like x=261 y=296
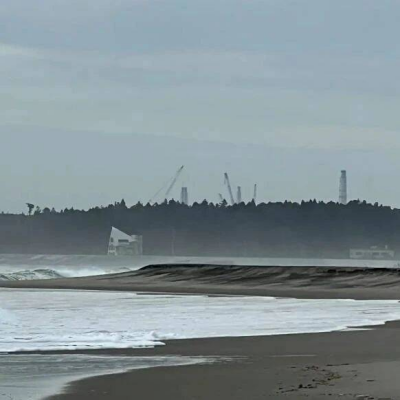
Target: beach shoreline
x=358 y=364
x=337 y=365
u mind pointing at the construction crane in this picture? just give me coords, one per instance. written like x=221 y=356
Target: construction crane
x=228 y=184
x=255 y=193
x=171 y=185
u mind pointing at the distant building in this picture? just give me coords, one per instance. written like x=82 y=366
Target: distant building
x=373 y=253
x=122 y=244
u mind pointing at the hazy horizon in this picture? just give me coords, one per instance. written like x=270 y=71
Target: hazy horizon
x=100 y=169
x=103 y=100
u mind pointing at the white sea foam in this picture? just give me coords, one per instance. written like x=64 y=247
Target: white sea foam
x=25 y=275
x=68 y=320
x=56 y=273
x=17 y=274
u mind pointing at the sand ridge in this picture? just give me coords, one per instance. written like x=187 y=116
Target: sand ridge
x=299 y=282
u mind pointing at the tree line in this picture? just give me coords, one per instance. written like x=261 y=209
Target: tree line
x=287 y=229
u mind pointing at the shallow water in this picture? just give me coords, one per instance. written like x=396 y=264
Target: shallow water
x=67 y=320
x=36 y=376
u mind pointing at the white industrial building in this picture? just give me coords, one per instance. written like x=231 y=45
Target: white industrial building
x=373 y=253
x=122 y=244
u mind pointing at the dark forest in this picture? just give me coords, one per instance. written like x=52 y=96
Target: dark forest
x=307 y=229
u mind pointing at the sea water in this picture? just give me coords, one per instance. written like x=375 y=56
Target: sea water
x=45 y=320
x=33 y=319
x=37 y=376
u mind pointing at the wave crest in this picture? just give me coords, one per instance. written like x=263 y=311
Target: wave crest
x=26 y=275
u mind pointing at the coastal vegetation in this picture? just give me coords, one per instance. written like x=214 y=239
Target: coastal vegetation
x=306 y=229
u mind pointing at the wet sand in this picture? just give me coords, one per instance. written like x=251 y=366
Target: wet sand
x=361 y=364
x=341 y=365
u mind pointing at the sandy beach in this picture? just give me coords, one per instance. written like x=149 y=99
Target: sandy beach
x=341 y=365
x=297 y=282
x=359 y=364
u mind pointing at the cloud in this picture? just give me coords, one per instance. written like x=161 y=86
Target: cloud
x=315 y=74
x=285 y=26
x=244 y=97
x=277 y=72
x=7 y=50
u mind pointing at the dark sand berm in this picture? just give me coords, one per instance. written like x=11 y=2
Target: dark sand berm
x=299 y=282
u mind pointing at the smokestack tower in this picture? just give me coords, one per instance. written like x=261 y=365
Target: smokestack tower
x=185 y=196
x=343 y=188
x=239 y=195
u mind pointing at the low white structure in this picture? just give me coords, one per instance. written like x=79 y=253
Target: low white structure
x=374 y=253
x=122 y=244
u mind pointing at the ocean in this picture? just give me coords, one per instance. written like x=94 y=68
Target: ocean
x=33 y=320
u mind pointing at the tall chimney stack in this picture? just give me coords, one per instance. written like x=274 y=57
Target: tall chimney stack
x=184 y=196
x=239 y=195
x=343 y=188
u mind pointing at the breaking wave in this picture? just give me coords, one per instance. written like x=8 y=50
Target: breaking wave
x=19 y=267
x=57 y=273
x=71 y=320
x=30 y=275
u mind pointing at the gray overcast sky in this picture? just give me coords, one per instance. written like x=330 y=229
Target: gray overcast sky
x=103 y=99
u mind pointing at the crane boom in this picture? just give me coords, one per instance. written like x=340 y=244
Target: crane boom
x=228 y=183
x=255 y=193
x=171 y=186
